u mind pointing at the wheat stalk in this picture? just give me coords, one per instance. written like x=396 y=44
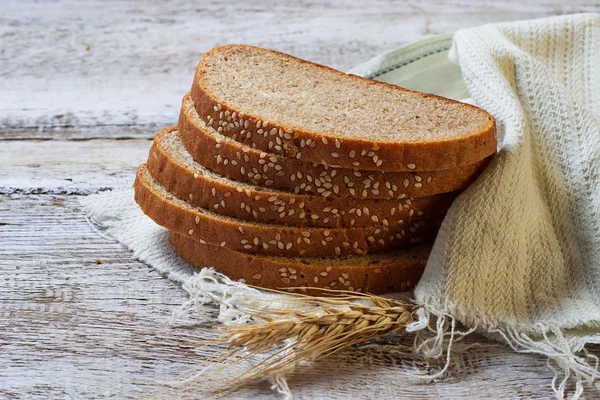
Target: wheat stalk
x=317 y=328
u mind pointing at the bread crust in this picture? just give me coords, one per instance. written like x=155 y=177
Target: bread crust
x=394 y=272
x=290 y=141
x=240 y=162
x=268 y=239
x=198 y=186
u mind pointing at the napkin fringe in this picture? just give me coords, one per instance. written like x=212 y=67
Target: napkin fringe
x=436 y=333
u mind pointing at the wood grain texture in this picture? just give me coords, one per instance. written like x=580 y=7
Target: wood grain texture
x=105 y=70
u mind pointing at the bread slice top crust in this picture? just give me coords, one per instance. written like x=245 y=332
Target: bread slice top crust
x=377 y=273
x=297 y=101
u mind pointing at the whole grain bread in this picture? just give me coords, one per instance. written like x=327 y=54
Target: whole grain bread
x=377 y=274
x=277 y=240
x=172 y=166
x=298 y=109
x=244 y=163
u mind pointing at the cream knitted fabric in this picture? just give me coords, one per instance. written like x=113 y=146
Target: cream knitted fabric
x=518 y=254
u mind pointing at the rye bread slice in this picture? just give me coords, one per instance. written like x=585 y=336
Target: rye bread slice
x=377 y=273
x=240 y=162
x=172 y=166
x=298 y=109
x=276 y=240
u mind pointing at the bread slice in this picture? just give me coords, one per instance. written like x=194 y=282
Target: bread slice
x=172 y=166
x=306 y=111
x=380 y=273
x=244 y=163
x=276 y=240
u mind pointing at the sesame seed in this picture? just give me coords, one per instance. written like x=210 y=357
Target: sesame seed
x=324 y=140
x=418 y=178
x=191 y=232
x=195 y=175
x=223 y=243
x=257 y=276
x=335 y=155
x=411 y=166
x=405 y=182
x=214 y=192
x=202 y=241
x=418 y=185
x=428 y=180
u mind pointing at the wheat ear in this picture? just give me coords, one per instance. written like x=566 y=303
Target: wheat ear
x=316 y=328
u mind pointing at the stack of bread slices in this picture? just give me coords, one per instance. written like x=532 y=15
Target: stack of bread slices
x=286 y=174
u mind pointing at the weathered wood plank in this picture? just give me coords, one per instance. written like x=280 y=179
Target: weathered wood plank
x=72 y=327
x=122 y=64
x=74 y=167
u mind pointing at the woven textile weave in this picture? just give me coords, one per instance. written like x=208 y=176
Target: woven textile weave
x=518 y=254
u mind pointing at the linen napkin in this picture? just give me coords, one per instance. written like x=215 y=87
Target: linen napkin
x=518 y=255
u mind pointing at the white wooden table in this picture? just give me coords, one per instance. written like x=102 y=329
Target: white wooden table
x=83 y=87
